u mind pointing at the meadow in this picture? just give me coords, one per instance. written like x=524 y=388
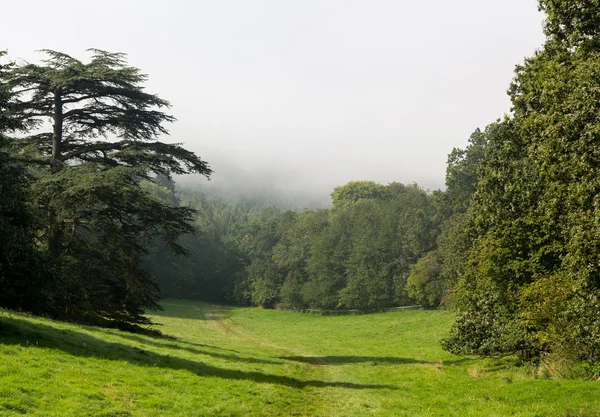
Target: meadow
x=224 y=361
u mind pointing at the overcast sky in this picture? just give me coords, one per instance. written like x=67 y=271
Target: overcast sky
x=305 y=95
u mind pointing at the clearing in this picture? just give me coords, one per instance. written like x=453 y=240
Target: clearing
x=223 y=361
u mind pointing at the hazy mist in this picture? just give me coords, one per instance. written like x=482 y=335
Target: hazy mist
x=299 y=96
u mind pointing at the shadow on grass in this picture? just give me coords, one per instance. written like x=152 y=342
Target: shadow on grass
x=376 y=360
x=204 y=349
x=24 y=333
x=343 y=360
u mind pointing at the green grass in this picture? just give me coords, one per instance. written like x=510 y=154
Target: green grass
x=220 y=361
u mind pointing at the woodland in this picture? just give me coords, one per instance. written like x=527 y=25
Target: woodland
x=94 y=228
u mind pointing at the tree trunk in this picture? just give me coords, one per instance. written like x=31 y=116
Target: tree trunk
x=54 y=232
x=58 y=127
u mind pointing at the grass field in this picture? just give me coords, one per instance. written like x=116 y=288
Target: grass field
x=220 y=361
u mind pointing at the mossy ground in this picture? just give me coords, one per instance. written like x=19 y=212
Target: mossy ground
x=221 y=361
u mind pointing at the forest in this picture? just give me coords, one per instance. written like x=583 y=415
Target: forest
x=94 y=228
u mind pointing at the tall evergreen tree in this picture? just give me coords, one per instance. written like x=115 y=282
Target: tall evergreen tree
x=101 y=142
x=21 y=277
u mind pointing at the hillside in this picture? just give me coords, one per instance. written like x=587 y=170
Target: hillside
x=221 y=361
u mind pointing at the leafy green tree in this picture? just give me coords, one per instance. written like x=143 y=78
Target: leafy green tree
x=498 y=244
x=462 y=172
x=453 y=245
x=532 y=282
x=292 y=252
x=261 y=280
x=357 y=190
x=361 y=259
x=103 y=139
x=571 y=22
x=326 y=265
x=425 y=283
x=555 y=95
x=367 y=282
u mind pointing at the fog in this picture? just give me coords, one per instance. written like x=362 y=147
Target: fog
x=299 y=96
x=267 y=184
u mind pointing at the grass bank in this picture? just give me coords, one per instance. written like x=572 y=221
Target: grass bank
x=220 y=361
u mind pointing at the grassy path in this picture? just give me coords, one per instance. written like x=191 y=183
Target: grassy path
x=220 y=361
x=219 y=320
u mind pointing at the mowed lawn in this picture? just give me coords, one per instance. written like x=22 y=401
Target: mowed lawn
x=221 y=361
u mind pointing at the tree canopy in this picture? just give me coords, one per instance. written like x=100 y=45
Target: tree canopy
x=531 y=284
x=95 y=218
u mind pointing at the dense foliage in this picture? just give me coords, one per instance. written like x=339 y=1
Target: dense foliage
x=22 y=282
x=355 y=255
x=531 y=284
x=20 y=262
x=93 y=218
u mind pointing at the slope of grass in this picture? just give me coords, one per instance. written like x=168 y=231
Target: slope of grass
x=219 y=361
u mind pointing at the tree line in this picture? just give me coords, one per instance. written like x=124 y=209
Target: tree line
x=355 y=255
x=92 y=227
x=512 y=245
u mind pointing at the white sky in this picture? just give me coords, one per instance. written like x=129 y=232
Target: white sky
x=304 y=95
